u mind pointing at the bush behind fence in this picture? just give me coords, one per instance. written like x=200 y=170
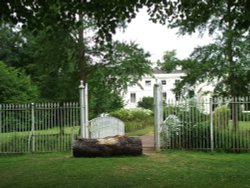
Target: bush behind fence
x=191 y=128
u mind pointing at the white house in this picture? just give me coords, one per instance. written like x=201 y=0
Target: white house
x=144 y=88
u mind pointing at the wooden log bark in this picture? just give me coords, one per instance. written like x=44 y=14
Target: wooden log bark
x=109 y=146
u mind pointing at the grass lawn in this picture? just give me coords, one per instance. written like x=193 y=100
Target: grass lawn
x=167 y=169
x=141 y=132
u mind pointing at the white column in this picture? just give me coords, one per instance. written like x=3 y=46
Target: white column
x=158 y=115
x=86 y=110
x=82 y=111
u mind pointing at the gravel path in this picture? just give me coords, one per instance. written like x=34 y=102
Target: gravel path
x=147 y=141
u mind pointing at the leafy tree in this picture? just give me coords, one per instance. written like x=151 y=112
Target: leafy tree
x=207 y=14
x=16 y=87
x=37 y=15
x=53 y=67
x=72 y=16
x=128 y=62
x=14 y=50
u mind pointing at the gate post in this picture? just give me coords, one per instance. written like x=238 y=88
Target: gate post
x=158 y=115
x=83 y=110
x=211 y=124
x=86 y=110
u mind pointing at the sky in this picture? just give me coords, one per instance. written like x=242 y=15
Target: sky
x=157 y=38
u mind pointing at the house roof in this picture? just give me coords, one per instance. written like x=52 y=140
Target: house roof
x=157 y=70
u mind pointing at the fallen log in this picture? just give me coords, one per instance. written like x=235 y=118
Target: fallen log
x=109 y=146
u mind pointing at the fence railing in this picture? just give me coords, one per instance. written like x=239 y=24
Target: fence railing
x=40 y=127
x=215 y=124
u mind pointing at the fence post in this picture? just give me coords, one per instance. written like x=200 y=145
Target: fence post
x=33 y=125
x=72 y=139
x=158 y=117
x=86 y=111
x=211 y=124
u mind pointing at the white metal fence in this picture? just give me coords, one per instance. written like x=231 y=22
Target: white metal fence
x=40 y=127
x=216 y=124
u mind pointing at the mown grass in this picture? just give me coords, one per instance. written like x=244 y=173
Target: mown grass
x=167 y=169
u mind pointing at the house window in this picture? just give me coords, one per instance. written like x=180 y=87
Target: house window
x=177 y=81
x=164 y=96
x=132 y=84
x=132 y=97
x=148 y=82
x=177 y=96
x=163 y=82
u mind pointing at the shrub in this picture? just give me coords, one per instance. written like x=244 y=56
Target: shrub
x=146 y=103
x=134 y=119
x=221 y=116
x=189 y=115
x=189 y=128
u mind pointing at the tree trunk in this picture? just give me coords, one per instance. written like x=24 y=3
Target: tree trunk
x=81 y=51
x=109 y=146
x=230 y=54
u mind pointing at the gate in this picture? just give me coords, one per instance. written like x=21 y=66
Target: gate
x=105 y=126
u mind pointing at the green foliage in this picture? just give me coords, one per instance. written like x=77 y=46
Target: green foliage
x=108 y=15
x=101 y=100
x=53 y=66
x=245 y=116
x=14 y=50
x=188 y=114
x=134 y=119
x=15 y=86
x=221 y=116
x=126 y=62
x=223 y=62
x=169 y=61
x=231 y=140
x=54 y=69
x=185 y=126
x=147 y=103
x=187 y=137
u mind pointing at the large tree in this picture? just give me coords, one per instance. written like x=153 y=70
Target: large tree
x=53 y=65
x=51 y=15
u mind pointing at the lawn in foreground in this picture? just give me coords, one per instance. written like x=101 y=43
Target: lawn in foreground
x=167 y=169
